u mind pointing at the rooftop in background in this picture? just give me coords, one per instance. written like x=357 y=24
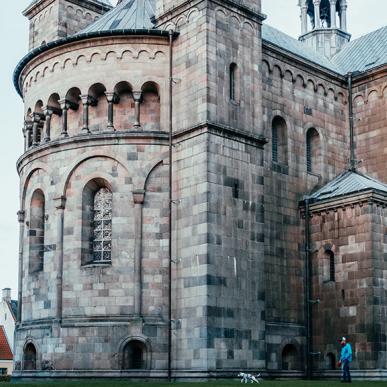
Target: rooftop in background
x=362 y=54
x=5 y=350
x=349 y=182
x=128 y=15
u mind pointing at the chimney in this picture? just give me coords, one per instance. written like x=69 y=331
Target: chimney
x=6 y=294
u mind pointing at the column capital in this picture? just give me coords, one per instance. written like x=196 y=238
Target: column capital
x=60 y=202
x=112 y=97
x=316 y=2
x=137 y=95
x=47 y=111
x=65 y=104
x=138 y=196
x=21 y=216
x=37 y=117
x=89 y=100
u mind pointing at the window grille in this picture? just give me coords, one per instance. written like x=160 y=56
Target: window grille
x=275 y=143
x=309 y=153
x=102 y=225
x=233 y=68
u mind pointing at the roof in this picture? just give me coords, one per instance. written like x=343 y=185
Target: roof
x=365 y=53
x=12 y=305
x=280 y=39
x=349 y=182
x=128 y=15
x=362 y=54
x=5 y=349
x=105 y=2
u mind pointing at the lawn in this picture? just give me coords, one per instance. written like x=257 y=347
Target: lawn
x=218 y=383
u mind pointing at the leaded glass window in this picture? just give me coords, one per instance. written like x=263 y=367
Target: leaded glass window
x=102 y=225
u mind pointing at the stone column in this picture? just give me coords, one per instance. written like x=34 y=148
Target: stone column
x=25 y=131
x=60 y=204
x=111 y=98
x=21 y=219
x=29 y=134
x=35 y=128
x=343 y=16
x=317 y=19
x=137 y=100
x=86 y=103
x=333 y=13
x=48 y=114
x=304 y=20
x=138 y=199
x=65 y=107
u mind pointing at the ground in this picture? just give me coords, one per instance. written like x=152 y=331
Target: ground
x=228 y=383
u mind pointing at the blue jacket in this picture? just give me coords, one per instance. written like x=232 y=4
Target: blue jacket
x=346 y=353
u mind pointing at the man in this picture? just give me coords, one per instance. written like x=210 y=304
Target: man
x=345 y=360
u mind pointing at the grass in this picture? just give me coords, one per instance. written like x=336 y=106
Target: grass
x=218 y=383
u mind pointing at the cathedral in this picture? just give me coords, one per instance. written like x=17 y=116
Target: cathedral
x=200 y=193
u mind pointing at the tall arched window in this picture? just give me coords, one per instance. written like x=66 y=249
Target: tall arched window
x=134 y=355
x=279 y=140
x=36 y=232
x=313 y=152
x=29 y=357
x=233 y=81
x=97 y=210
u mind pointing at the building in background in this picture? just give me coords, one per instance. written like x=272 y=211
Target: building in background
x=8 y=310
x=250 y=239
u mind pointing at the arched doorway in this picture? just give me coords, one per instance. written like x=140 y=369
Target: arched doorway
x=134 y=356
x=330 y=361
x=290 y=360
x=29 y=357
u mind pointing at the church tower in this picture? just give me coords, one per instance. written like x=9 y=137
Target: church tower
x=54 y=19
x=326 y=29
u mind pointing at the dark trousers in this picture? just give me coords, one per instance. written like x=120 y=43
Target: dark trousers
x=345 y=371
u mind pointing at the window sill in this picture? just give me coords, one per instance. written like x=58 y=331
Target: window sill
x=280 y=167
x=234 y=103
x=314 y=175
x=97 y=264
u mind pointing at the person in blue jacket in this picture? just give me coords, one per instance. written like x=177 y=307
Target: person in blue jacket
x=345 y=360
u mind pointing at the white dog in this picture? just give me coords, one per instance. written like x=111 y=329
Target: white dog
x=248 y=377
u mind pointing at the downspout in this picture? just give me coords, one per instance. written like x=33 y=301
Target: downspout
x=352 y=161
x=170 y=207
x=308 y=295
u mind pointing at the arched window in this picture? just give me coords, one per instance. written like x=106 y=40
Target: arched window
x=330 y=361
x=313 y=152
x=233 y=81
x=134 y=356
x=29 y=357
x=290 y=359
x=97 y=210
x=279 y=140
x=36 y=232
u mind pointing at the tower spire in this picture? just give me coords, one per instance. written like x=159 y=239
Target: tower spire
x=324 y=25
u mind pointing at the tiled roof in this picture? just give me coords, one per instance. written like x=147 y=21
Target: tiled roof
x=365 y=53
x=294 y=46
x=128 y=15
x=5 y=350
x=349 y=182
x=362 y=54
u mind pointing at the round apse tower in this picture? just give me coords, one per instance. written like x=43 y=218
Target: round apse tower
x=94 y=234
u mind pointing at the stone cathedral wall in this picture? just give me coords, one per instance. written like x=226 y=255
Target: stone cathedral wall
x=303 y=98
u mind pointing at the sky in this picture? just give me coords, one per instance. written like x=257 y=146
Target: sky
x=363 y=17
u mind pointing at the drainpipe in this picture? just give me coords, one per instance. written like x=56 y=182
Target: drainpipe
x=352 y=161
x=308 y=294
x=170 y=206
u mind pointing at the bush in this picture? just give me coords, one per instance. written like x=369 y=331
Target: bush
x=5 y=378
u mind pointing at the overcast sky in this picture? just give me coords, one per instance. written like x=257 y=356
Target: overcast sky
x=363 y=17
